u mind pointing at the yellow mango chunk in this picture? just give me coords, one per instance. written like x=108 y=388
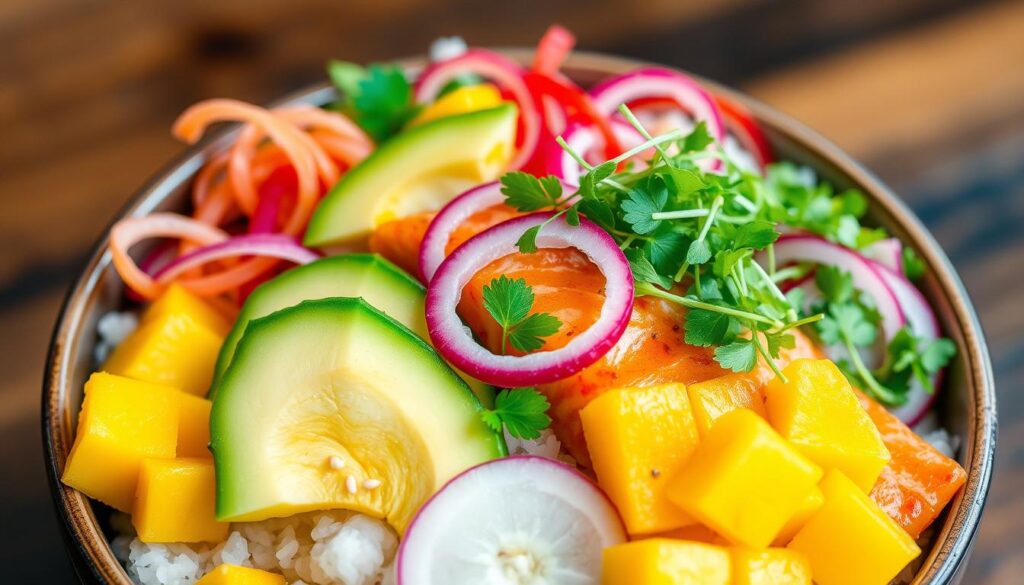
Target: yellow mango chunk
x=194 y=426
x=235 y=575
x=122 y=422
x=743 y=480
x=177 y=343
x=769 y=566
x=810 y=506
x=850 y=540
x=662 y=561
x=462 y=100
x=179 y=301
x=713 y=398
x=175 y=502
x=817 y=411
x=638 y=437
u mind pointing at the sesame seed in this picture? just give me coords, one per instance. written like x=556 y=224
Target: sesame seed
x=350 y=484
x=371 y=484
x=336 y=462
x=655 y=473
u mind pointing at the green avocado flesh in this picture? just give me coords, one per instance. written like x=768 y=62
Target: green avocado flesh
x=332 y=389
x=381 y=283
x=421 y=169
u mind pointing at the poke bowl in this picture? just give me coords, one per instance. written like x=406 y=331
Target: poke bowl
x=119 y=502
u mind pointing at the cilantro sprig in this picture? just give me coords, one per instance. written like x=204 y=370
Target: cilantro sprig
x=379 y=98
x=522 y=411
x=509 y=302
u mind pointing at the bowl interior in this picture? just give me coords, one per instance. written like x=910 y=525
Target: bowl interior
x=966 y=407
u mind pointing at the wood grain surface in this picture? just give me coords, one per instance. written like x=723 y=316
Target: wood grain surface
x=928 y=93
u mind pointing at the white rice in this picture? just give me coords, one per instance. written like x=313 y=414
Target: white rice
x=113 y=328
x=320 y=548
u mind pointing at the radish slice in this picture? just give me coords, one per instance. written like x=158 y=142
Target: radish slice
x=265 y=245
x=498 y=69
x=520 y=519
x=454 y=340
x=654 y=83
x=888 y=253
x=923 y=324
x=866 y=275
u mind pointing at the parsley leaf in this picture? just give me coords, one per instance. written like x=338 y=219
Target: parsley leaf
x=523 y=412
x=509 y=302
x=738 y=356
x=528 y=241
x=913 y=266
x=756 y=234
x=526 y=192
x=643 y=270
x=697 y=140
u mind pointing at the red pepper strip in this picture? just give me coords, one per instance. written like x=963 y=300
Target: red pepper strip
x=746 y=129
x=576 y=103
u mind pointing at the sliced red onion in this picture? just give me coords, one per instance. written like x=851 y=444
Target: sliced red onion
x=586 y=141
x=451 y=216
x=507 y=74
x=662 y=83
x=455 y=341
x=866 y=277
x=923 y=323
x=888 y=253
x=264 y=245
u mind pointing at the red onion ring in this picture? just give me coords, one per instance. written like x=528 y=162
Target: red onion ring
x=265 y=245
x=866 y=276
x=497 y=68
x=654 y=82
x=888 y=253
x=923 y=323
x=455 y=342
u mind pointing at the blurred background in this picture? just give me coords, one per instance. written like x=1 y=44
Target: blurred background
x=929 y=94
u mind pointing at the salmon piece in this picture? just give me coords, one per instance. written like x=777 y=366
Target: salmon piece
x=919 y=481
x=399 y=240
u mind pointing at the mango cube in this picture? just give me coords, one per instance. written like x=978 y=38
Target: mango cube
x=713 y=398
x=462 y=100
x=769 y=566
x=808 y=508
x=193 y=426
x=850 y=540
x=179 y=301
x=177 y=343
x=743 y=480
x=638 y=437
x=235 y=575
x=662 y=561
x=818 y=412
x=122 y=422
x=175 y=502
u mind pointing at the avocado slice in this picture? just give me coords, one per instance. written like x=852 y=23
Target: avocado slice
x=332 y=389
x=421 y=169
x=384 y=285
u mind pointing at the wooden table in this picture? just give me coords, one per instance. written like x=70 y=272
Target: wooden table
x=928 y=93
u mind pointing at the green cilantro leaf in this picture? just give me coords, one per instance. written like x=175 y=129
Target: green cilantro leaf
x=699 y=252
x=835 y=284
x=509 y=302
x=937 y=354
x=706 y=328
x=756 y=234
x=592 y=178
x=523 y=412
x=738 y=356
x=913 y=266
x=528 y=241
x=643 y=270
x=697 y=140
x=526 y=192
x=648 y=197
x=528 y=334
x=598 y=211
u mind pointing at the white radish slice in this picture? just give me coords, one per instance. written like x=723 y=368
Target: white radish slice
x=923 y=324
x=518 y=520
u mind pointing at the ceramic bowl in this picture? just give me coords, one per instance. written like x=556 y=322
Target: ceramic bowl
x=966 y=407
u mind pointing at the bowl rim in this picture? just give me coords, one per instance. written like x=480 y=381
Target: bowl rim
x=94 y=559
